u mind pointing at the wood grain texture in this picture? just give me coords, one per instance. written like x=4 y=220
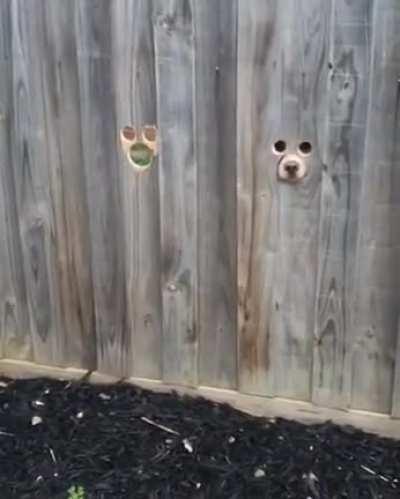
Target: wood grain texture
x=15 y=339
x=350 y=54
x=206 y=269
x=67 y=183
x=178 y=186
x=396 y=383
x=31 y=160
x=303 y=80
x=215 y=106
x=258 y=115
x=134 y=73
x=378 y=280
x=282 y=81
x=103 y=178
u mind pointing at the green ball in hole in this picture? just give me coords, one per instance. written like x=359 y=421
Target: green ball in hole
x=141 y=155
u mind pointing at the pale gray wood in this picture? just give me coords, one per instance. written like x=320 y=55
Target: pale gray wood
x=282 y=80
x=7 y=328
x=5 y=33
x=67 y=183
x=258 y=116
x=178 y=187
x=103 y=178
x=396 y=383
x=303 y=82
x=378 y=279
x=90 y=248
x=15 y=339
x=31 y=160
x=349 y=57
x=134 y=73
x=215 y=46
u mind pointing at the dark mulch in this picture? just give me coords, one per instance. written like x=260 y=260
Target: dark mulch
x=56 y=434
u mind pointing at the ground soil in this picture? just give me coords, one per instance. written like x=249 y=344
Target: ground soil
x=120 y=441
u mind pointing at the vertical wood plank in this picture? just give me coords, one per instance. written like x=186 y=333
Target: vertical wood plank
x=282 y=79
x=215 y=48
x=31 y=172
x=378 y=280
x=67 y=183
x=134 y=72
x=258 y=115
x=100 y=151
x=350 y=53
x=178 y=187
x=304 y=67
x=15 y=339
x=396 y=384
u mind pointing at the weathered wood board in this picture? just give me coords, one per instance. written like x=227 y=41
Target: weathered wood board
x=135 y=101
x=377 y=310
x=303 y=79
x=343 y=155
x=67 y=183
x=215 y=25
x=396 y=385
x=174 y=53
x=103 y=182
x=205 y=269
x=256 y=192
x=31 y=163
x=15 y=338
x=281 y=89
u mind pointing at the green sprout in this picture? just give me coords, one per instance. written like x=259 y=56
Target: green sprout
x=76 y=492
x=141 y=155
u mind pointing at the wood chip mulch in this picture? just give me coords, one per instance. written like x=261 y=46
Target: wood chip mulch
x=119 y=441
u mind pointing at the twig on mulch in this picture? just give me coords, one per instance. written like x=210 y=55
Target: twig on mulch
x=160 y=426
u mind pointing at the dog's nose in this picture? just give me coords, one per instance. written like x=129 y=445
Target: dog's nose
x=292 y=168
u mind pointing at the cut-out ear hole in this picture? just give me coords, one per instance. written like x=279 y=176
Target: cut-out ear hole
x=141 y=155
x=150 y=133
x=149 y=137
x=129 y=133
x=305 y=148
x=279 y=147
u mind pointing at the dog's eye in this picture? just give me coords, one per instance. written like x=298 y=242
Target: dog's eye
x=279 y=147
x=305 y=148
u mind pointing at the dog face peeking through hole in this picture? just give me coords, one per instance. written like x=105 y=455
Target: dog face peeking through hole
x=291 y=168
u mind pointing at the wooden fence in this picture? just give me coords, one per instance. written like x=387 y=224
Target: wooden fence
x=206 y=269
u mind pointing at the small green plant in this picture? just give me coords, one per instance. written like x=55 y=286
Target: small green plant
x=141 y=155
x=76 y=492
